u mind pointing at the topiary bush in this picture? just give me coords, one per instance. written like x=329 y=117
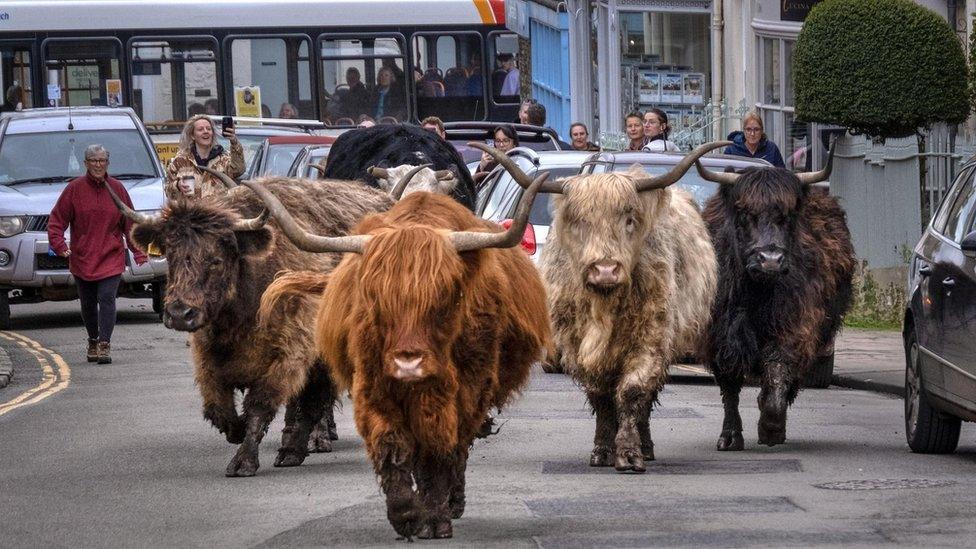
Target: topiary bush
x=881 y=67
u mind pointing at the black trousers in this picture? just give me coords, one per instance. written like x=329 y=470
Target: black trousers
x=98 y=305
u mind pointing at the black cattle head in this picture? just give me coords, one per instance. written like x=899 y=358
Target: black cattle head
x=205 y=247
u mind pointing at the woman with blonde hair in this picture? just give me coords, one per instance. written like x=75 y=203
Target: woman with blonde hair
x=751 y=142
x=198 y=147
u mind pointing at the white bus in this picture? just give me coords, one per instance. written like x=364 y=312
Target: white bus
x=330 y=60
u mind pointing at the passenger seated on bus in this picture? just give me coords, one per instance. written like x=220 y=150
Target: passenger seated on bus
x=211 y=106
x=194 y=109
x=390 y=63
x=265 y=111
x=388 y=95
x=350 y=99
x=475 y=84
x=456 y=82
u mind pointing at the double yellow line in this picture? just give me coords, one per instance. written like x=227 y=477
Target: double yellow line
x=56 y=376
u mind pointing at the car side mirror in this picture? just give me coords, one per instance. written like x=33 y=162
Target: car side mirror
x=968 y=244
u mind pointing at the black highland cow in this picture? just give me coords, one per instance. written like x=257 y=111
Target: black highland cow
x=785 y=264
x=391 y=146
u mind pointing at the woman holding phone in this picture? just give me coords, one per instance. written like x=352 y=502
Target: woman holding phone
x=198 y=147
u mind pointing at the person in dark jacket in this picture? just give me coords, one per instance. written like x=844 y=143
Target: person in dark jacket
x=96 y=256
x=752 y=142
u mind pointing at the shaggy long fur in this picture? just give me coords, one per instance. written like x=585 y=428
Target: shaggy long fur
x=388 y=146
x=772 y=328
x=617 y=344
x=477 y=320
x=222 y=273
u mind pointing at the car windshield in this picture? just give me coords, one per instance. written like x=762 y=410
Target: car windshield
x=280 y=158
x=250 y=143
x=58 y=156
x=501 y=203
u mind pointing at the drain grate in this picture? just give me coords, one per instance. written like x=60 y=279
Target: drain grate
x=885 y=484
x=692 y=467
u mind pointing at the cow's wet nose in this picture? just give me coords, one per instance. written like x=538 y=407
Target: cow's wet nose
x=771 y=261
x=408 y=366
x=180 y=316
x=604 y=273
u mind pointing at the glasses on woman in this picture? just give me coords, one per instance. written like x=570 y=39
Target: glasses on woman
x=503 y=141
x=753 y=130
x=97 y=160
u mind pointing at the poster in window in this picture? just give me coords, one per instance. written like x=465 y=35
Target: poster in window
x=693 y=89
x=113 y=93
x=649 y=83
x=247 y=101
x=675 y=118
x=671 y=87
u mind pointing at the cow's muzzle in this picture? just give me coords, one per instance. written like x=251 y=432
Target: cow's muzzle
x=182 y=317
x=604 y=274
x=767 y=262
x=409 y=366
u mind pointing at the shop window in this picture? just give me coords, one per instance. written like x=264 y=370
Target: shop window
x=173 y=79
x=85 y=72
x=269 y=73
x=504 y=81
x=363 y=77
x=667 y=63
x=450 y=79
x=775 y=87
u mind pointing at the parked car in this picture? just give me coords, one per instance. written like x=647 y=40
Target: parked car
x=276 y=155
x=940 y=323
x=307 y=159
x=251 y=132
x=40 y=151
x=530 y=137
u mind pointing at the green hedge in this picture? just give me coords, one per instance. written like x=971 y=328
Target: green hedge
x=880 y=67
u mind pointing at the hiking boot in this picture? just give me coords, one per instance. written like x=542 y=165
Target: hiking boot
x=103 y=352
x=92 y=350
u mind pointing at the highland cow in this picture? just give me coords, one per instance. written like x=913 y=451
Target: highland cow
x=219 y=265
x=786 y=263
x=433 y=319
x=630 y=274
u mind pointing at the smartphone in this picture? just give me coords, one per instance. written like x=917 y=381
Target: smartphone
x=227 y=122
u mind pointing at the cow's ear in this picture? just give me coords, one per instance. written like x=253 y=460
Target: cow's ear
x=148 y=237
x=253 y=242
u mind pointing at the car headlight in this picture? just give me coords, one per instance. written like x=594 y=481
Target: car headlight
x=11 y=225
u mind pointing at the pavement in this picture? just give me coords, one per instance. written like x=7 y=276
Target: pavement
x=6 y=367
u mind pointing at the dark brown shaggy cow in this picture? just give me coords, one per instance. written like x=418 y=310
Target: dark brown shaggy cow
x=432 y=321
x=785 y=264
x=219 y=266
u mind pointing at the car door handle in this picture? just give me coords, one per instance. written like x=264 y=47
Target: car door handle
x=949 y=281
x=925 y=270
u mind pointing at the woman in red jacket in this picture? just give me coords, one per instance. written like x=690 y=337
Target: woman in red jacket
x=96 y=256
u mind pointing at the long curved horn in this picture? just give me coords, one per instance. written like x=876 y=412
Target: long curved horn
x=511 y=167
x=816 y=177
x=465 y=241
x=224 y=178
x=675 y=173
x=377 y=172
x=128 y=212
x=721 y=178
x=401 y=185
x=301 y=238
x=252 y=224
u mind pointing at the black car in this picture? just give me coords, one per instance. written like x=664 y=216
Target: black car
x=940 y=323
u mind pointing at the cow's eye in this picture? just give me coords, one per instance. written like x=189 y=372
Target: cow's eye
x=630 y=224
x=215 y=263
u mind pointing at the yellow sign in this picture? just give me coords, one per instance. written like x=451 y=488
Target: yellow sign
x=166 y=151
x=113 y=93
x=247 y=101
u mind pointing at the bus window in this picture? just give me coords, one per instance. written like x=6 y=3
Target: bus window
x=15 y=78
x=278 y=70
x=173 y=79
x=450 y=81
x=86 y=71
x=503 y=48
x=363 y=78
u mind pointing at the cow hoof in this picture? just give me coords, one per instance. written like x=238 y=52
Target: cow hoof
x=436 y=529
x=319 y=442
x=405 y=515
x=601 y=456
x=730 y=442
x=629 y=460
x=242 y=466
x=648 y=452
x=772 y=437
x=288 y=458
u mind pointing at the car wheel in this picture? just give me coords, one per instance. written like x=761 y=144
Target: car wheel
x=4 y=310
x=158 y=294
x=928 y=430
x=821 y=372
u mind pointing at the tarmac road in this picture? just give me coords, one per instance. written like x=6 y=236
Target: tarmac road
x=121 y=456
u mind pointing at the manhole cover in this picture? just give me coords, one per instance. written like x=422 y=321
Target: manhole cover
x=885 y=484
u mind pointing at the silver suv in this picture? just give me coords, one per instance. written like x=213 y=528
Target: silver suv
x=40 y=151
